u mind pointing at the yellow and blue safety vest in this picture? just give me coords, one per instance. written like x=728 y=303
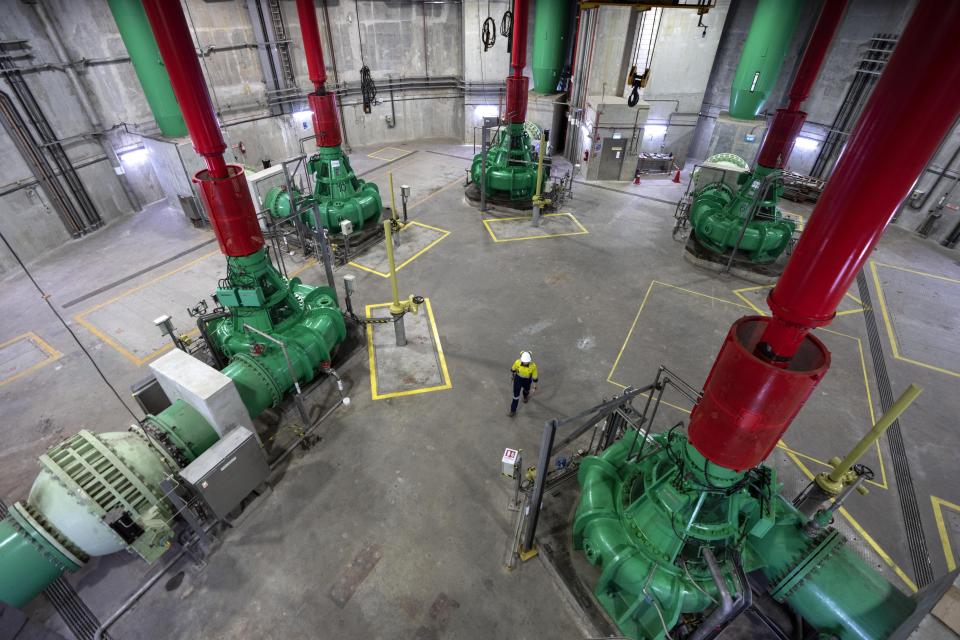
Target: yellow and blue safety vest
x=525 y=370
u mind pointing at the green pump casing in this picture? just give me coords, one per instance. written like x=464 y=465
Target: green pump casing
x=550 y=42
x=643 y=520
x=511 y=167
x=770 y=32
x=138 y=38
x=338 y=194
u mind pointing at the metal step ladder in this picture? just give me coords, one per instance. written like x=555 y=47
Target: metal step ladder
x=283 y=47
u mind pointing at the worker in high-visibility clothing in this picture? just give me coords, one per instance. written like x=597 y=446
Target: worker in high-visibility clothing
x=524 y=372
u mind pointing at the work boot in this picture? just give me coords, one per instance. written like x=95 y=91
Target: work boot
x=512 y=413
x=526 y=399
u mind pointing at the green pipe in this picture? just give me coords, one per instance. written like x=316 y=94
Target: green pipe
x=145 y=56
x=187 y=430
x=828 y=584
x=550 y=33
x=34 y=561
x=770 y=33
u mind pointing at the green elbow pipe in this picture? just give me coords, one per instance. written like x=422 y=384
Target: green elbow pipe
x=763 y=52
x=550 y=35
x=138 y=38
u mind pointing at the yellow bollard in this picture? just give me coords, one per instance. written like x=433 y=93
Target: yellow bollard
x=393 y=201
x=395 y=306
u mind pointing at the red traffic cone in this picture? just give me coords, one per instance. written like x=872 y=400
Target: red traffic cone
x=676 y=176
x=636 y=178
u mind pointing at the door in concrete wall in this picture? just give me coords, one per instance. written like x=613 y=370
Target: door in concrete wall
x=611 y=157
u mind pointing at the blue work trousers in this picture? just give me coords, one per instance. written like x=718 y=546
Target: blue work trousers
x=519 y=384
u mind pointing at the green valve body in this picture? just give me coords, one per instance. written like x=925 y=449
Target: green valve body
x=718 y=213
x=763 y=52
x=337 y=195
x=645 y=519
x=138 y=38
x=511 y=167
x=550 y=36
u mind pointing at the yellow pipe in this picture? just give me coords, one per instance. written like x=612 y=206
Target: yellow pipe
x=388 y=231
x=393 y=201
x=543 y=147
x=904 y=401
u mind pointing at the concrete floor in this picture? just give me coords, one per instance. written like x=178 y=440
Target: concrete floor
x=412 y=482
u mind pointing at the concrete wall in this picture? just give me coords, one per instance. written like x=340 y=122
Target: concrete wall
x=679 y=75
x=400 y=39
x=862 y=20
x=27 y=220
x=911 y=217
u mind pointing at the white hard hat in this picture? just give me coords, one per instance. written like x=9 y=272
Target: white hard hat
x=525 y=357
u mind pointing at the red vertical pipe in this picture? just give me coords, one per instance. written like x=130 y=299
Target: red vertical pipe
x=326 y=124
x=778 y=143
x=521 y=16
x=176 y=48
x=518 y=85
x=306 y=12
x=223 y=187
x=768 y=366
x=912 y=107
x=816 y=51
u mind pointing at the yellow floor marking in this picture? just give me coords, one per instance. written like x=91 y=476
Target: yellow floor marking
x=444 y=372
x=52 y=354
x=859 y=528
x=81 y=317
x=938 y=505
x=444 y=233
x=487 y=222
x=403 y=153
x=312 y=262
x=881 y=298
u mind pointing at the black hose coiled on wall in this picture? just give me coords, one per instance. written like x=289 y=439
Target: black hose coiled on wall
x=488 y=33
x=367 y=88
x=506 y=29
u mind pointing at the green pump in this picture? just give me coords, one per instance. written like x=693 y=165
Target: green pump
x=510 y=165
x=337 y=195
x=97 y=494
x=745 y=218
x=646 y=515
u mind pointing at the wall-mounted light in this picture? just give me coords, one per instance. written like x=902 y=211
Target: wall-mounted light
x=134 y=157
x=655 y=130
x=301 y=116
x=486 y=111
x=806 y=144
